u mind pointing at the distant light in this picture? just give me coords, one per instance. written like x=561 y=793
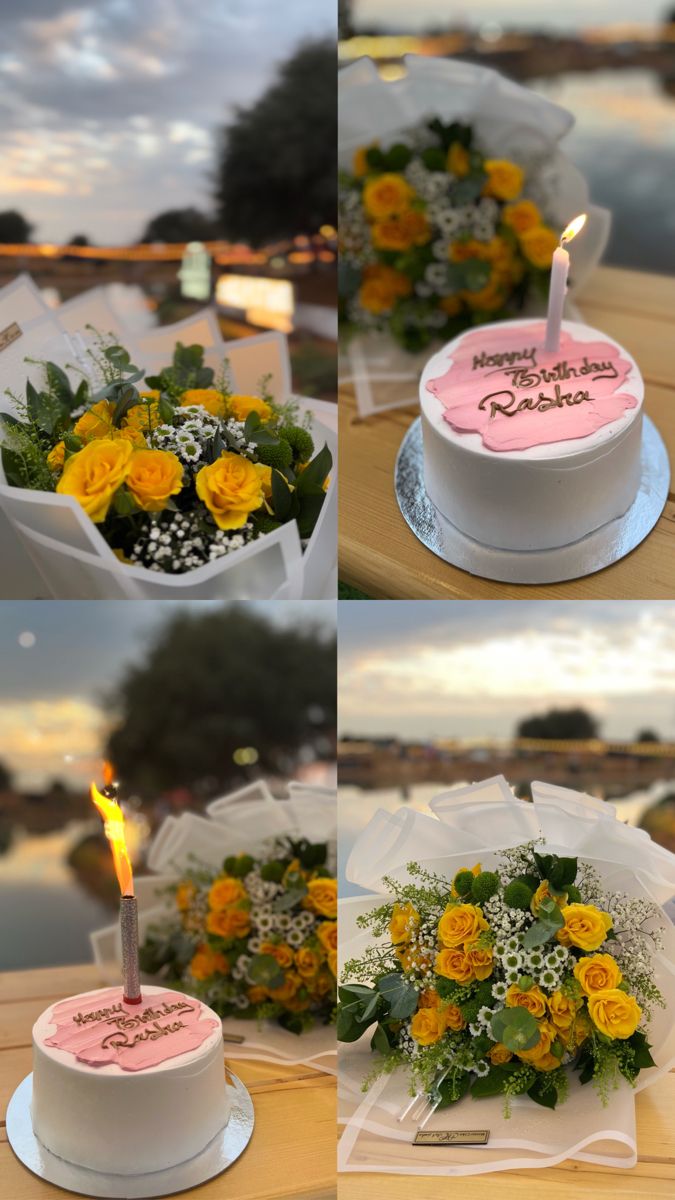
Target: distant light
x=245 y=756
x=263 y=301
x=26 y=639
x=328 y=231
x=491 y=32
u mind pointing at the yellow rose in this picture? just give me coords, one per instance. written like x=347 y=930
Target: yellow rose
x=226 y=891
x=614 y=1013
x=279 y=951
x=307 y=962
x=207 y=962
x=451 y=305
x=94 y=474
x=429 y=998
x=404 y=921
x=97 y=422
x=427 y=1026
x=208 y=398
x=599 y=973
x=547 y=1036
x=332 y=962
x=288 y=988
x=534 y=1000
x=322 y=897
x=461 y=924
x=585 y=926
x=538 y=245
x=256 y=995
x=543 y=893
x=185 y=894
x=457 y=161
x=360 y=162
x=481 y=961
x=521 y=216
x=154 y=476
x=454 y=964
x=297 y=1003
x=387 y=195
x=56 y=456
x=452 y=1017
x=328 y=935
x=505 y=179
x=401 y=232
x=230 y=923
x=129 y=433
x=581 y=1029
x=381 y=287
x=241 y=406
x=499 y=1054
x=562 y=1010
x=323 y=983
x=144 y=417
x=231 y=489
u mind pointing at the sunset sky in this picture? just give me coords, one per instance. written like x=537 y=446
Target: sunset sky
x=108 y=111
x=474 y=669
x=58 y=661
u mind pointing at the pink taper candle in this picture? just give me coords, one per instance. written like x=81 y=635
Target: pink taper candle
x=558 y=286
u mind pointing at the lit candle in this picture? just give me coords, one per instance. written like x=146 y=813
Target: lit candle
x=558 y=285
x=113 y=824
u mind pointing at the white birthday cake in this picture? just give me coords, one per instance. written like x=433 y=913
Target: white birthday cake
x=128 y=1088
x=530 y=450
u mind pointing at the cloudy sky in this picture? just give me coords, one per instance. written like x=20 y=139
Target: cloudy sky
x=109 y=110
x=58 y=660
x=473 y=669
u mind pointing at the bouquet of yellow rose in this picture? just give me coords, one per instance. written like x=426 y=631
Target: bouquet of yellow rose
x=435 y=235
x=256 y=940
x=501 y=982
x=176 y=475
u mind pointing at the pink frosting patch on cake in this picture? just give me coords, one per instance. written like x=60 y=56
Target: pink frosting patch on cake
x=102 y=1029
x=502 y=385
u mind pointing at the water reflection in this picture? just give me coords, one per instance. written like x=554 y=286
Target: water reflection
x=624 y=142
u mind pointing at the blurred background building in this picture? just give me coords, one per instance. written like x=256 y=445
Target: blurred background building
x=152 y=147
x=610 y=62
x=434 y=695
x=189 y=701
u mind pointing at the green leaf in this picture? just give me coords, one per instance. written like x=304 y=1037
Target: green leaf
x=468 y=189
x=375 y=158
x=291 y=897
x=281 y=496
x=433 y=158
x=349 y=992
x=562 y=873
x=492 y=1084
x=641 y=1047
x=515 y=1028
x=316 y=471
x=453 y=1088
x=124 y=503
x=397 y=157
x=128 y=398
x=476 y=274
x=59 y=384
x=544 y=1092
x=264 y=971
x=379 y=1041
x=310 y=509
x=166 y=410
x=399 y=994
x=543 y=929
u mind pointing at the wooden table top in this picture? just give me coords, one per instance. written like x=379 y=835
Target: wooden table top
x=381 y=556
x=291 y=1153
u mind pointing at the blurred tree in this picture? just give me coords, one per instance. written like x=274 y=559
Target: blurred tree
x=14 y=227
x=277 y=170
x=214 y=683
x=78 y=239
x=559 y=724
x=5 y=778
x=647 y=735
x=180 y=225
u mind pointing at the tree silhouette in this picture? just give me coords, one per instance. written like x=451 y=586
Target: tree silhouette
x=14 y=227
x=180 y=225
x=78 y=239
x=647 y=735
x=5 y=778
x=559 y=724
x=277 y=171
x=216 y=682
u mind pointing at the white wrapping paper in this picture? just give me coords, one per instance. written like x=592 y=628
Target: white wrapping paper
x=242 y=821
x=468 y=825
x=510 y=121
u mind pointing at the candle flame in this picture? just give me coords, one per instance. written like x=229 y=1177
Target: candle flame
x=113 y=825
x=573 y=229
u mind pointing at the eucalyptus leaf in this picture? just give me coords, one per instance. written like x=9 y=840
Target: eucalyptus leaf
x=399 y=994
x=264 y=971
x=515 y=1028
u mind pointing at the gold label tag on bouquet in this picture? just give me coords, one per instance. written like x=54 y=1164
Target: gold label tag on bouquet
x=235 y=1039
x=451 y=1137
x=9 y=335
